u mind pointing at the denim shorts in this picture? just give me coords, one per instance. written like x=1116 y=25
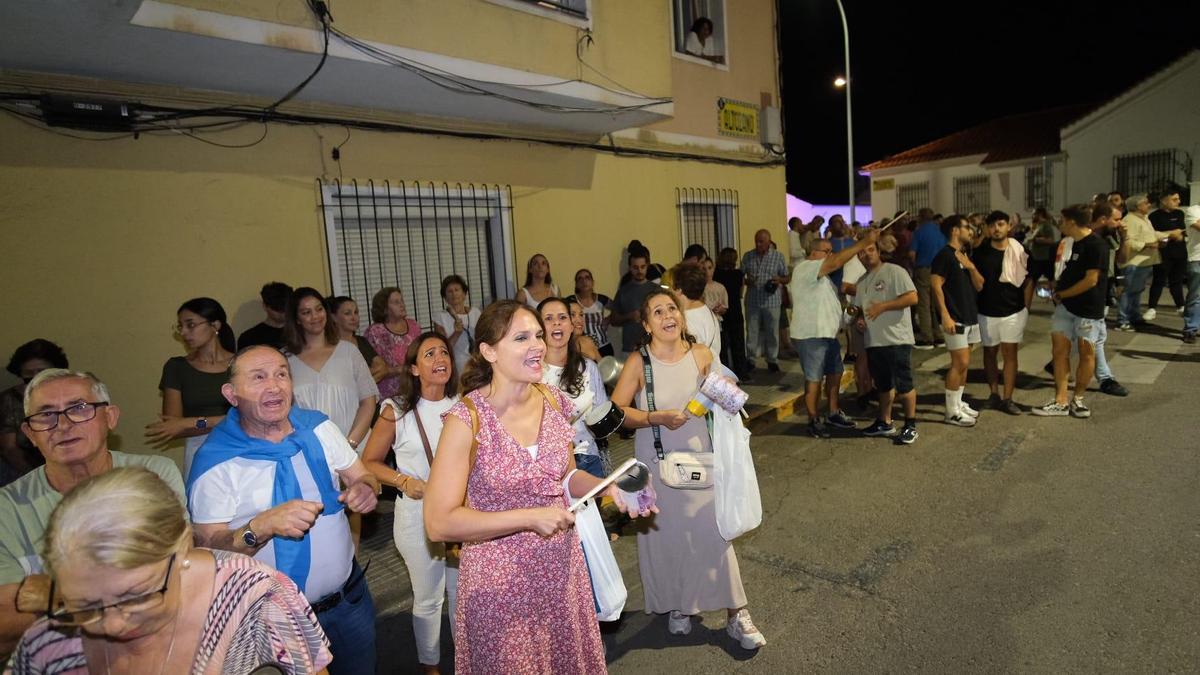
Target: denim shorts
x=1075 y=327
x=819 y=357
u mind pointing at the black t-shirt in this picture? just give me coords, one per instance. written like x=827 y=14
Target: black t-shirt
x=958 y=290
x=1170 y=220
x=998 y=298
x=1089 y=253
x=262 y=334
x=733 y=281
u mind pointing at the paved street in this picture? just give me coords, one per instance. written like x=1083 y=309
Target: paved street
x=1022 y=545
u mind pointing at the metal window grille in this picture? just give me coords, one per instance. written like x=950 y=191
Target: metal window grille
x=573 y=7
x=1037 y=187
x=912 y=197
x=1151 y=171
x=972 y=194
x=709 y=217
x=413 y=235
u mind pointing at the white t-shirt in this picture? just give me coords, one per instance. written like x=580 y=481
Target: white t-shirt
x=461 y=347
x=702 y=324
x=796 y=252
x=816 y=310
x=694 y=47
x=237 y=490
x=336 y=389
x=1191 y=215
x=410 y=452
x=585 y=443
x=852 y=271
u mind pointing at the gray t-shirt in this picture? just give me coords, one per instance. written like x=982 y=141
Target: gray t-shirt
x=629 y=297
x=816 y=310
x=884 y=284
x=26 y=504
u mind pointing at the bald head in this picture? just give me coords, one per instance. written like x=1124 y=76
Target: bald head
x=255 y=354
x=762 y=241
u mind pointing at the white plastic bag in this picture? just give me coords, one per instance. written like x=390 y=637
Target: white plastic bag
x=738 y=503
x=608 y=586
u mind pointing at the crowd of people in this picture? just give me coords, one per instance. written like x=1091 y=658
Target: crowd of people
x=248 y=557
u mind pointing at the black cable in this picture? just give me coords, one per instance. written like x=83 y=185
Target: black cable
x=324 y=19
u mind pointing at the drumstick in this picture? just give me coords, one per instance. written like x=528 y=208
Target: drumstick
x=893 y=221
x=604 y=483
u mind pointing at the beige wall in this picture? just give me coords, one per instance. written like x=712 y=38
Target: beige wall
x=104 y=240
x=627 y=34
x=751 y=54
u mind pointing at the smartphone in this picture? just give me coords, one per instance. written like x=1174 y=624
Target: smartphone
x=960 y=329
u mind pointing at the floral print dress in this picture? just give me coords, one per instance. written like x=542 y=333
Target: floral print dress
x=524 y=602
x=393 y=348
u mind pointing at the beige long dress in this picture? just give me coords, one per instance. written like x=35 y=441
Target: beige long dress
x=684 y=562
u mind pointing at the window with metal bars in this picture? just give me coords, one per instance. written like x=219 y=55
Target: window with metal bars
x=576 y=8
x=709 y=217
x=413 y=235
x=1150 y=171
x=1037 y=187
x=912 y=197
x=972 y=194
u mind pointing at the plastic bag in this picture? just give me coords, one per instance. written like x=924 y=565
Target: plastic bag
x=608 y=586
x=738 y=503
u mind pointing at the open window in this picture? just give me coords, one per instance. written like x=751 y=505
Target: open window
x=700 y=31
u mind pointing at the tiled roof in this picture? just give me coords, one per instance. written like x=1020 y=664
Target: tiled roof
x=1016 y=137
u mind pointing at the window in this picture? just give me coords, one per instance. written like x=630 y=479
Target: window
x=412 y=236
x=912 y=197
x=1037 y=187
x=972 y=194
x=708 y=217
x=1150 y=171
x=700 y=30
x=574 y=12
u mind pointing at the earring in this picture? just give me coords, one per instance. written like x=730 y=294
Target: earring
x=186 y=564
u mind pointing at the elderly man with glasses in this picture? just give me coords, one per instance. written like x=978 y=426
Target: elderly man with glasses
x=68 y=416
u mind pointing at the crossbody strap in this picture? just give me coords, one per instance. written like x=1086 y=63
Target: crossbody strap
x=649 y=375
x=424 y=438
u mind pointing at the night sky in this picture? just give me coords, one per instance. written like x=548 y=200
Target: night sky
x=923 y=69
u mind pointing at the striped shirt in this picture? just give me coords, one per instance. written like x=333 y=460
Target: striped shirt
x=593 y=318
x=257 y=617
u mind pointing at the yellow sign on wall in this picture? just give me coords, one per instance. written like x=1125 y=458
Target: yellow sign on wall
x=884 y=184
x=735 y=118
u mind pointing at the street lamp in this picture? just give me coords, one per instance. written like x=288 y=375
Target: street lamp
x=839 y=82
x=845 y=81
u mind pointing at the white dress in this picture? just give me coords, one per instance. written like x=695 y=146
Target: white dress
x=461 y=348
x=585 y=443
x=534 y=303
x=337 y=388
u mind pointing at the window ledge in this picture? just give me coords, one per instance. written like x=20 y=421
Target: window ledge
x=547 y=13
x=683 y=56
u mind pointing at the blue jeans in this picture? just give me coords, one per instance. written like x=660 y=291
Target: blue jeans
x=1191 y=316
x=1131 y=300
x=1102 y=371
x=590 y=464
x=350 y=627
x=762 y=325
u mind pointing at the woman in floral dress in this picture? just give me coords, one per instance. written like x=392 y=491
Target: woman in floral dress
x=524 y=599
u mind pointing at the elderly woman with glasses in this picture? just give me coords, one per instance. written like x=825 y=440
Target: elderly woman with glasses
x=129 y=593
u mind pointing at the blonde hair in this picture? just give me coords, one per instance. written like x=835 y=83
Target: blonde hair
x=123 y=518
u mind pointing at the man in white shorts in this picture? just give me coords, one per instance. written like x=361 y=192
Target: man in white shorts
x=1003 y=304
x=955 y=283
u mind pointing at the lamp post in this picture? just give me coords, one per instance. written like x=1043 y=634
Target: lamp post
x=849 y=116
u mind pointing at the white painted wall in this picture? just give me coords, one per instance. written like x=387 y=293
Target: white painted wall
x=1164 y=114
x=941 y=176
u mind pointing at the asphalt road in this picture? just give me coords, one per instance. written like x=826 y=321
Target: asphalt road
x=1022 y=545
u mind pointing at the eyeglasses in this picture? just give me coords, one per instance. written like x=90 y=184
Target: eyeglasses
x=82 y=617
x=78 y=413
x=181 y=328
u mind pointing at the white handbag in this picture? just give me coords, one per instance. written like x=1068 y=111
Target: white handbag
x=608 y=586
x=677 y=469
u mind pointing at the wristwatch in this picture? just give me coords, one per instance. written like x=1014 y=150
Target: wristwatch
x=202 y=423
x=249 y=538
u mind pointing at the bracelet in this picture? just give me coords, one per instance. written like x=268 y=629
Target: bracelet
x=401 y=481
x=353 y=443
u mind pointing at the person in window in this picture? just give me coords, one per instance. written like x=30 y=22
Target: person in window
x=700 y=41
x=457 y=321
x=390 y=333
x=192 y=403
x=18 y=454
x=344 y=312
x=121 y=541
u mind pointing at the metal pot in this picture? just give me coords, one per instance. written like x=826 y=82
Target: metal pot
x=604 y=420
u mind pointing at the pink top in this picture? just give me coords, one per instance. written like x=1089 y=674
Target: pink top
x=393 y=348
x=524 y=602
x=257 y=617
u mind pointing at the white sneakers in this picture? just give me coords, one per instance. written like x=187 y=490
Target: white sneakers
x=742 y=629
x=739 y=627
x=1149 y=315
x=679 y=623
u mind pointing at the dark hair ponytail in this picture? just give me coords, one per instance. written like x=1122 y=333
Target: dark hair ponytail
x=212 y=311
x=493 y=323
